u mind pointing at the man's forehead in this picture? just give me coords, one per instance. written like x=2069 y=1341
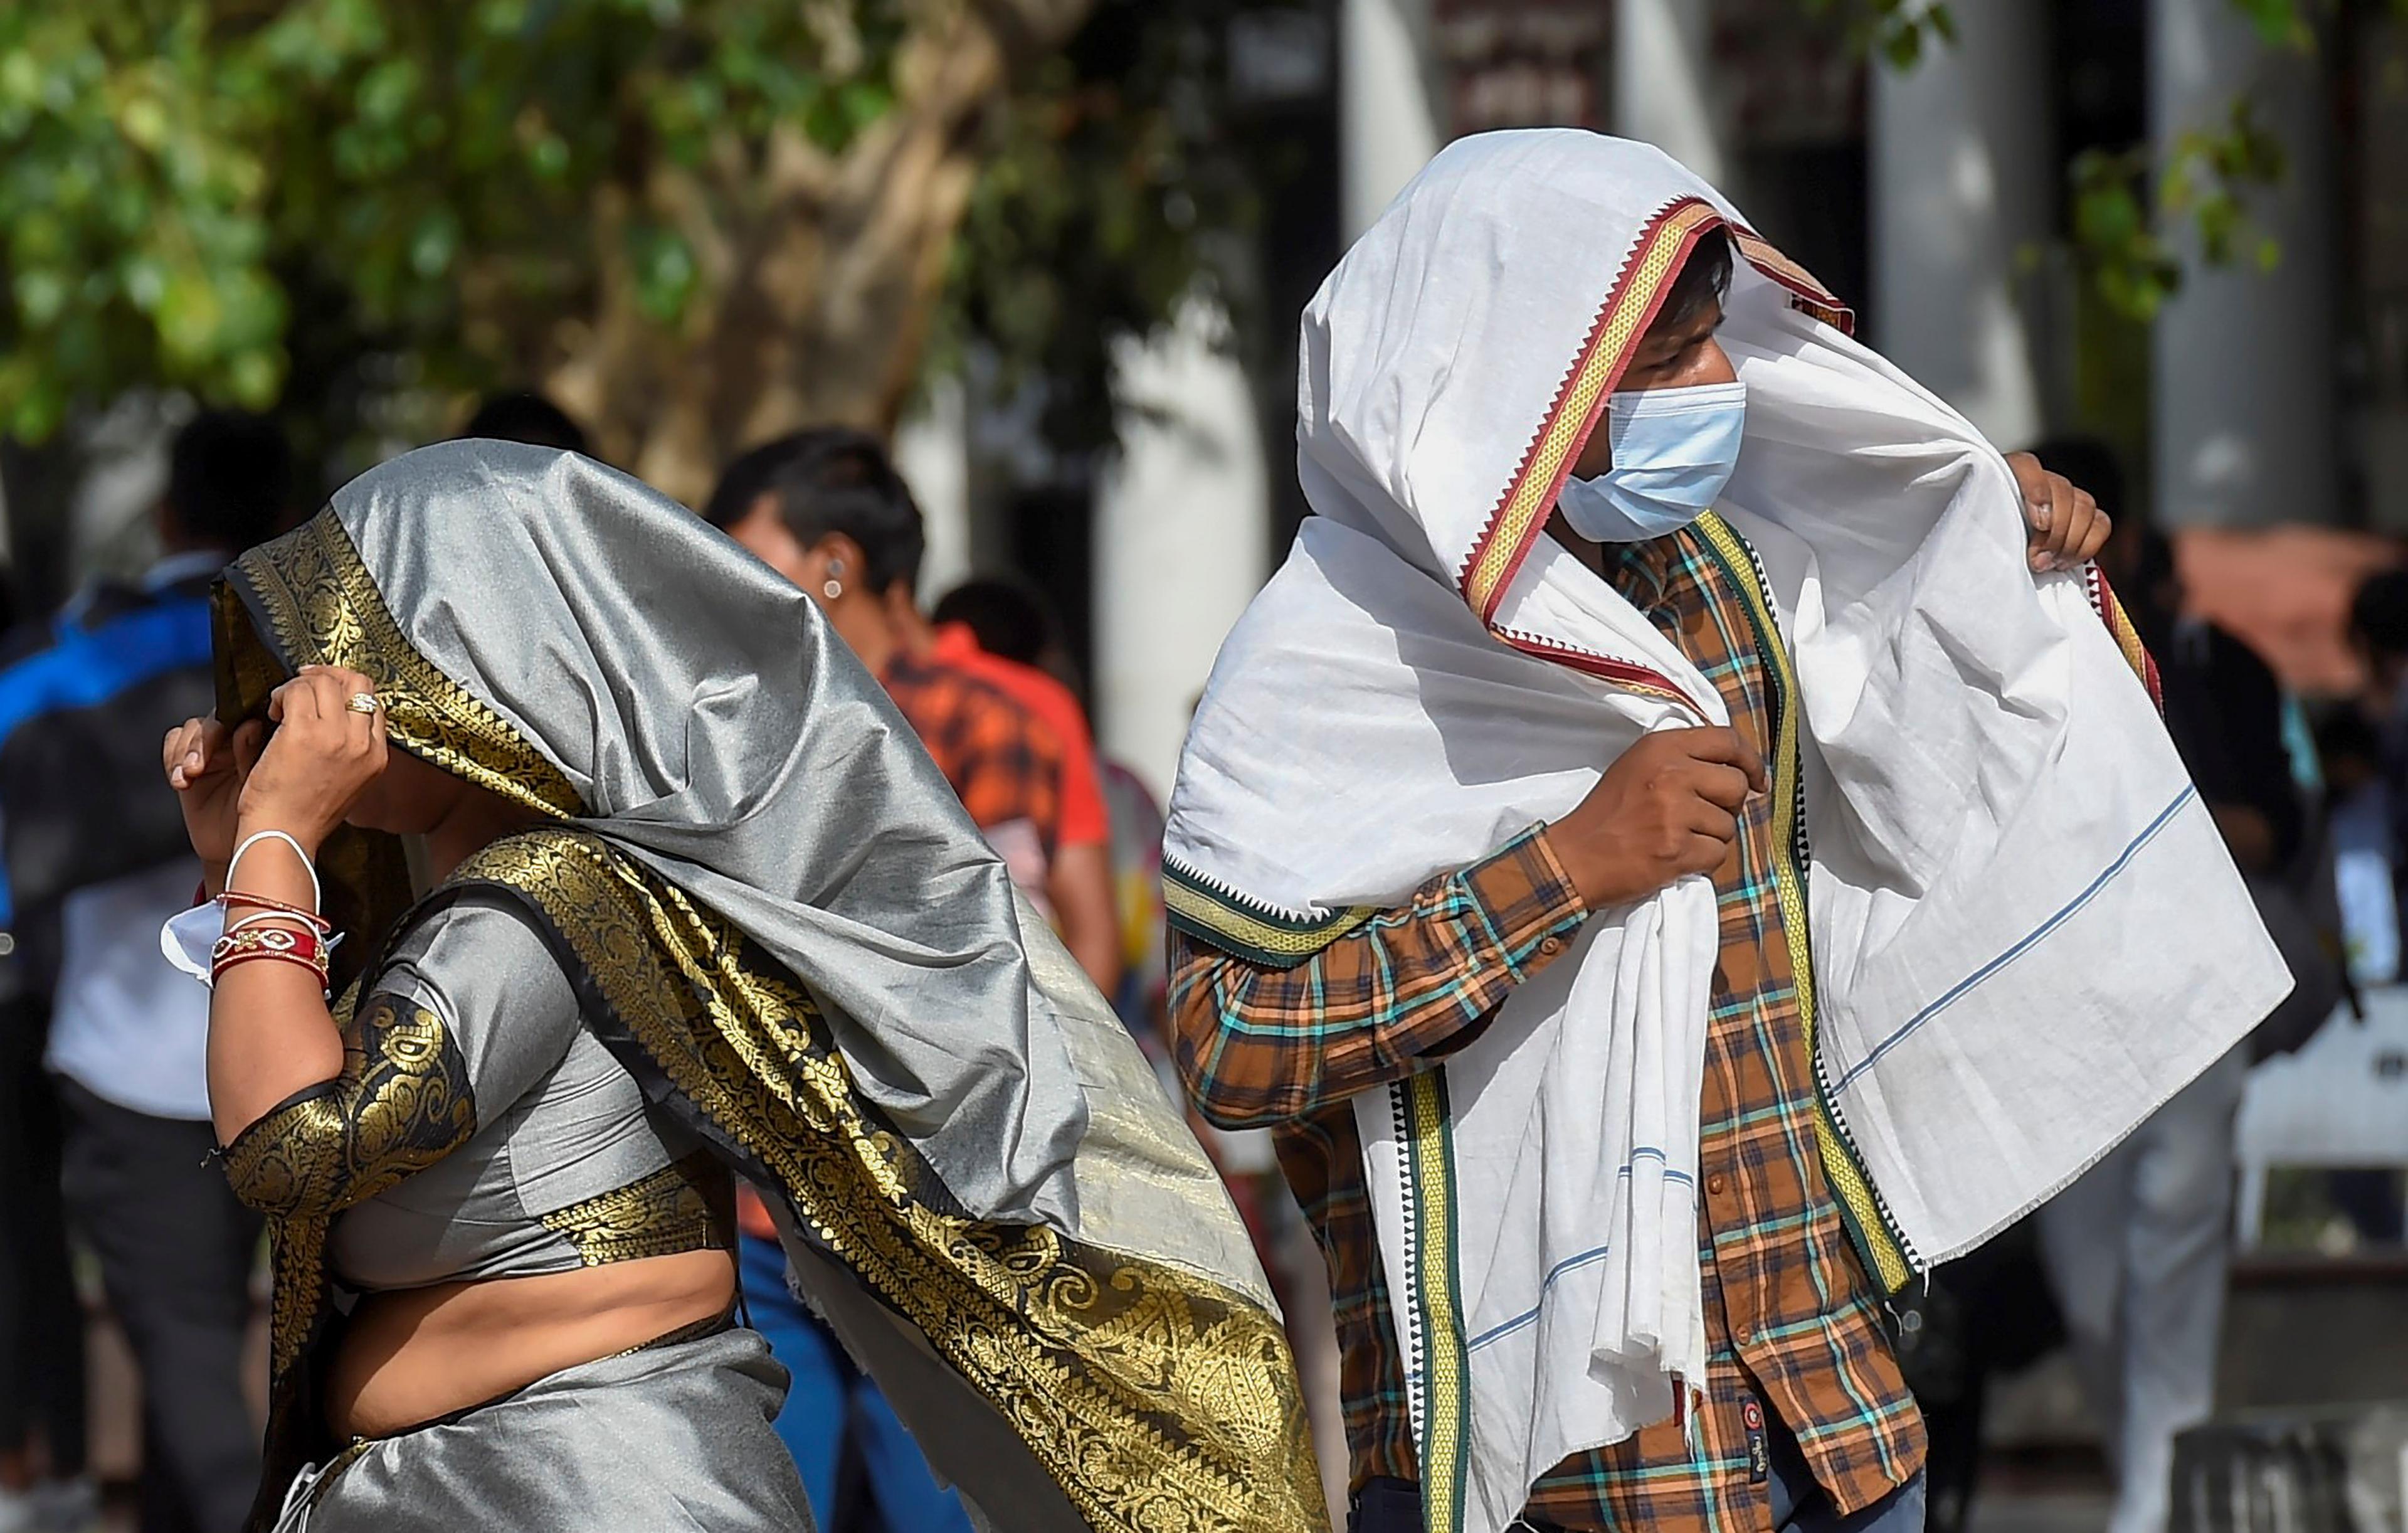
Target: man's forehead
x=1673 y=338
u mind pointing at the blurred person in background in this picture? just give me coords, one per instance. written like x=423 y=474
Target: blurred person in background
x=95 y=859
x=2138 y=1249
x=2378 y=635
x=1079 y=882
x=522 y=415
x=827 y=509
x=2365 y=888
x=2350 y=751
x=2364 y=746
x=1144 y=997
x=1007 y=620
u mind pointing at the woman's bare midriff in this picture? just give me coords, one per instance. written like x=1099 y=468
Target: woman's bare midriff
x=413 y=1354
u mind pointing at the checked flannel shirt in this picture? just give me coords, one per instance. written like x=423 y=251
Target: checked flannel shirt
x=1792 y=1324
x=1002 y=760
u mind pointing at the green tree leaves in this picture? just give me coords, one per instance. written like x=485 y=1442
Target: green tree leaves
x=166 y=167
x=2130 y=209
x=1896 y=30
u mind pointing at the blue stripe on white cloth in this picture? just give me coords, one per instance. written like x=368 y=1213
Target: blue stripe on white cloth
x=1573 y=1263
x=2148 y=833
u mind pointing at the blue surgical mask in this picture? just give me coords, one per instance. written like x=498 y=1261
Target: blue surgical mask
x=1674 y=451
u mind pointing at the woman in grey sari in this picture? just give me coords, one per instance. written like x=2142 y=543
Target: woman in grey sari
x=645 y=885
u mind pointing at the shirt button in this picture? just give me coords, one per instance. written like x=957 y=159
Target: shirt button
x=1552 y=946
x=1715 y=1184
x=1744 y=1336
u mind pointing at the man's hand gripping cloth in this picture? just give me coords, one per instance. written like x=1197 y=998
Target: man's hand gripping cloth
x=2025 y=931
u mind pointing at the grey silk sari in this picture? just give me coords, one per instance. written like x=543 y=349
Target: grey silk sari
x=582 y=1450
x=782 y=922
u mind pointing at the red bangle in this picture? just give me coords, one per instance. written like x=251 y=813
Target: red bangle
x=249 y=942
x=218 y=970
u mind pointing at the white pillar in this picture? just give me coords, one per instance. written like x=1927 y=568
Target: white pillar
x=1964 y=176
x=1387 y=120
x=1181 y=521
x=1663 y=85
x=932 y=452
x=2245 y=428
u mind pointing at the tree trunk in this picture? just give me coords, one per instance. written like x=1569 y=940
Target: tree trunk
x=819 y=272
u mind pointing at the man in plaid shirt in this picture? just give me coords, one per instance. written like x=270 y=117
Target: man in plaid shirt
x=1805 y=1421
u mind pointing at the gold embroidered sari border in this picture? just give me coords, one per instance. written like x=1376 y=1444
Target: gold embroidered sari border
x=686 y=1205
x=1157 y=1400
x=323 y=608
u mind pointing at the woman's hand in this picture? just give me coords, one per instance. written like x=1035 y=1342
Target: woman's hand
x=322 y=754
x=207 y=764
x=2067 y=529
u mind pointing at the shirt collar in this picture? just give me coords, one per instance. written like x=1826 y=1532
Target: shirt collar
x=955 y=642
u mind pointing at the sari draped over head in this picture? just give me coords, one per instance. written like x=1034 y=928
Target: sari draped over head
x=782 y=923
x=2015 y=930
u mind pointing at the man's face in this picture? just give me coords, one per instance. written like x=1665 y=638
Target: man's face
x=1670 y=356
x=766 y=536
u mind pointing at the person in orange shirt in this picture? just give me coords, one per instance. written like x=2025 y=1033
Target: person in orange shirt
x=974 y=631
x=826 y=509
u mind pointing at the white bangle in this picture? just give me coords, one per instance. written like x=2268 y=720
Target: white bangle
x=317 y=893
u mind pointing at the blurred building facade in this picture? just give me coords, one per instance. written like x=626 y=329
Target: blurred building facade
x=1935 y=196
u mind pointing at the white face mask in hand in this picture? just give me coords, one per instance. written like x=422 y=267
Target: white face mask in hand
x=1674 y=451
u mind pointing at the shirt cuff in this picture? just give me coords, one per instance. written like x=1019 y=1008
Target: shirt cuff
x=1528 y=900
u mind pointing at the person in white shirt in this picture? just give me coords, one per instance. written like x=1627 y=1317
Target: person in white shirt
x=95 y=858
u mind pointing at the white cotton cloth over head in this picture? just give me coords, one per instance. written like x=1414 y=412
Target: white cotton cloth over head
x=2025 y=934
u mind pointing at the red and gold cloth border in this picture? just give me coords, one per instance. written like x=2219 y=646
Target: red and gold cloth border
x=2109 y=609
x=1804 y=292
x=1521 y=514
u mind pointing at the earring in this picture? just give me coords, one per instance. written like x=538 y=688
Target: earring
x=832 y=589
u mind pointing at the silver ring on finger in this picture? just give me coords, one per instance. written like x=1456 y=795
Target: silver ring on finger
x=361 y=702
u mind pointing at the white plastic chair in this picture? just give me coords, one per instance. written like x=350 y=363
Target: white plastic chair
x=2342 y=1101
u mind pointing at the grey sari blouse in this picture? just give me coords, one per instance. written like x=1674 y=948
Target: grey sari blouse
x=478 y=1128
